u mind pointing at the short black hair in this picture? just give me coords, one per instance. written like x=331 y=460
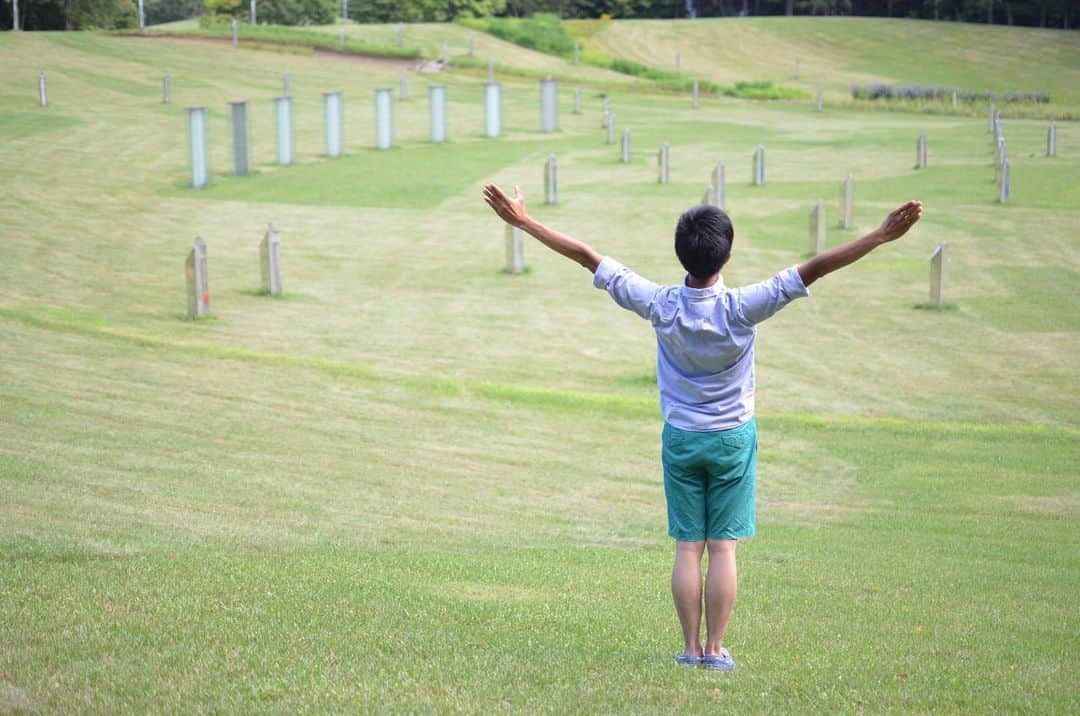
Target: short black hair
x=703 y=240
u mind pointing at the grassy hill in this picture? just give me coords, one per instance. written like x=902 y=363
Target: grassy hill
x=417 y=483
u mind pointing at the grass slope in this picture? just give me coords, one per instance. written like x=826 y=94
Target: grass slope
x=416 y=483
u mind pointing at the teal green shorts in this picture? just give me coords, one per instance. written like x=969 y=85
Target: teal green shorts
x=709 y=482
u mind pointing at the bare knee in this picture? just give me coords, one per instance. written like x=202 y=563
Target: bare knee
x=689 y=549
x=722 y=546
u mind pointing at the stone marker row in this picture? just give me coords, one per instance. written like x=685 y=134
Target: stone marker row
x=197 y=272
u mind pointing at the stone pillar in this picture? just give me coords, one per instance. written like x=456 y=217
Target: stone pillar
x=270 y=262
x=166 y=89
x=446 y=52
x=817 y=228
x=990 y=119
x=551 y=183
x=605 y=110
x=577 y=100
x=493 y=109
x=254 y=16
x=401 y=34
x=847 y=202
x=235 y=33
x=43 y=92
x=200 y=157
x=1005 y=183
x=611 y=130
x=662 y=160
x=678 y=63
x=333 y=115
x=141 y=15
x=719 y=187
x=1051 y=140
x=15 y=15
x=937 y=275
x=626 y=146
x=920 y=152
x=577 y=54
x=341 y=38
x=515 y=250
x=238 y=113
x=696 y=96
x=759 y=165
x=384 y=119
x=198 y=281
x=284 y=129
x=549 y=105
x=821 y=99
x=437 y=101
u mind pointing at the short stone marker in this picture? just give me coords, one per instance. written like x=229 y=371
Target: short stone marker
x=437 y=102
x=938 y=259
x=493 y=109
x=235 y=33
x=992 y=115
x=1051 y=140
x=718 y=188
x=334 y=120
x=384 y=119
x=254 y=15
x=817 y=228
x=847 y=202
x=200 y=158
x=403 y=91
x=1001 y=151
x=678 y=63
x=238 y=113
x=577 y=100
x=549 y=105
x=695 y=101
x=625 y=148
x=663 y=163
x=551 y=181
x=759 y=165
x=43 y=92
x=141 y=15
x=515 y=250
x=270 y=262
x=446 y=52
x=920 y=152
x=821 y=99
x=611 y=130
x=1004 y=183
x=605 y=112
x=198 y=281
x=166 y=89
x=954 y=99
x=284 y=126
x=341 y=38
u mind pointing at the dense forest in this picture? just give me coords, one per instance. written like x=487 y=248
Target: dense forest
x=85 y=14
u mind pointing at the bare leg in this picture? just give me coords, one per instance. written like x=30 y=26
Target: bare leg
x=721 y=583
x=686 y=589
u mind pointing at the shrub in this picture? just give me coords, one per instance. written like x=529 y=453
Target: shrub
x=933 y=94
x=543 y=32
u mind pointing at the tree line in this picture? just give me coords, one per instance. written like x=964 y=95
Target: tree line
x=113 y=14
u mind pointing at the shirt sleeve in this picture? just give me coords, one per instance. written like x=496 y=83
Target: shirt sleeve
x=760 y=301
x=629 y=290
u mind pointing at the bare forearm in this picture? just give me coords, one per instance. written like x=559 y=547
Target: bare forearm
x=839 y=257
x=561 y=243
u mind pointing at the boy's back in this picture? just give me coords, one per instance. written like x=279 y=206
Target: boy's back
x=705 y=340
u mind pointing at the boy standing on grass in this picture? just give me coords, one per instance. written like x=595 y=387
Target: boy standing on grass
x=705 y=371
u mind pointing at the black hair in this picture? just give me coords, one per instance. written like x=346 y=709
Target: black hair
x=703 y=240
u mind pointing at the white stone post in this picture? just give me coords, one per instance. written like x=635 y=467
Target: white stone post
x=254 y=15
x=43 y=92
x=662 y=160
x=605 y=110
x=493 y=109
x=15 y=15
x=341 y=39
x=847 y=202
x=141 y=13
x=577 y=54
x=991 y=115
x=577 y=100
x=384 y=119
x=719 y=187
x=437 y=102
x=515 y=250
x=1051 y=140
x=625 y=146
x=1005 y=184
x=549 y=105
x=678 y=63
x=446 y=52
x=821 y=99
x=551 y=184
x=759 y=165
x=938 y=260
x=696 y=95
x=817 y=228
x=284 y=129
x=200 y=157
x=235 y=34
x=611 y=129
x=333 y=116
x=238 y=114
x=197 y=273
x=920 y=152
x=270 y=262
x=166 y=89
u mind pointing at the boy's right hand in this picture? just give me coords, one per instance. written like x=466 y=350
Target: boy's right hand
x=899 y=220
x=512 y=211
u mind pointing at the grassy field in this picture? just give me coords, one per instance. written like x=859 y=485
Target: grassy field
x=416 y=483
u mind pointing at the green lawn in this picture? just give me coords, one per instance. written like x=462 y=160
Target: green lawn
x=416 y=483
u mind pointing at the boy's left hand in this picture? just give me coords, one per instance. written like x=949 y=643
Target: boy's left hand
x=512 y=211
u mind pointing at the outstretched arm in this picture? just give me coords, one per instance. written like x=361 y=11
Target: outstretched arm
x=512 y=211
x=896 y=224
